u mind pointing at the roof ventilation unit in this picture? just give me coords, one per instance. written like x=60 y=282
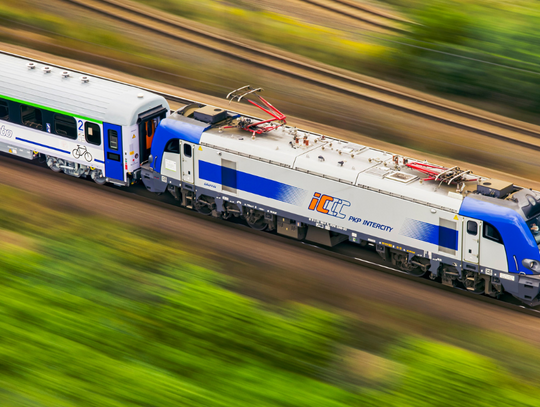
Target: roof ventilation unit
x=494 y=188
x=31 y=65
x=46 y=69
x=84 y=79
x=65 y=74
x=210 y=114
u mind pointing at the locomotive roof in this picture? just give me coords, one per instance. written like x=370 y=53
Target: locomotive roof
x=338 y=160
x=96 y=99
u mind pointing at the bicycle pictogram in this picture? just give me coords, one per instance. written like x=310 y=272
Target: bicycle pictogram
x=81 y=151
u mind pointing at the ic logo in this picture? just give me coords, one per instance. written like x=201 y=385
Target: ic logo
x=328 y=205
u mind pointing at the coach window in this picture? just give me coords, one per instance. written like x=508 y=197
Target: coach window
x=491 y=233
x=92 y=133
x=472 y=227
x=31 y=117
x=65 y=126
x=113 y=140
x=4 y=110
x=187 y=150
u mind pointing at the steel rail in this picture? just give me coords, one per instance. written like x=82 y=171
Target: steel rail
x=420 y=106
x=372 y=10
x=330 y=6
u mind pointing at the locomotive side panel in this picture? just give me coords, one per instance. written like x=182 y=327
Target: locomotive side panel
x=356 y=212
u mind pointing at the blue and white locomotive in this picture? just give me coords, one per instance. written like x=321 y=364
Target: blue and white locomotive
x=468 y=231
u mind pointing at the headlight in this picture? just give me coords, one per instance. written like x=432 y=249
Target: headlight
x=533 y=265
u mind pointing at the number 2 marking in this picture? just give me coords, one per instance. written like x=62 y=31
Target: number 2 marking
x=80 y=122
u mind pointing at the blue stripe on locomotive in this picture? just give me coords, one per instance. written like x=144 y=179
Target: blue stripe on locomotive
x=251 y=183
x=427 y=232
x=517 y=238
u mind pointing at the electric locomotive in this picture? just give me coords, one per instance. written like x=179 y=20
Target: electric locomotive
x=467 y=231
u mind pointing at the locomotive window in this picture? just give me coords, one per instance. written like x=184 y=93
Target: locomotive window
x=113 y=140
x=491 y=233
x=4 y=110
x=472 y=228
x=187 y=150
x=65 y=126
x=31 y=117
x=173 y=146
x=92 y=133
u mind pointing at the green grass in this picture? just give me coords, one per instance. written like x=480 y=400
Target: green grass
x=95 y=312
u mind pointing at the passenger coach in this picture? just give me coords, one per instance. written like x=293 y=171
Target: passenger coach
x=82 y=125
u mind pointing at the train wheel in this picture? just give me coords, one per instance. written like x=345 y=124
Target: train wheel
x=98 y=177
x=402 y=262
x=54 y=163
x=255 y=219
x=474 y=282
x=204 y=204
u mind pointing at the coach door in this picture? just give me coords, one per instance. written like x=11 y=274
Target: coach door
x=114 y=167
x=187 y=150
x=148 y=122
x=471 y=240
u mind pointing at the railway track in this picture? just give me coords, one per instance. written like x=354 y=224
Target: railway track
x=365 y=14
x=372 y=10
x=515 y=133
x=350 y=253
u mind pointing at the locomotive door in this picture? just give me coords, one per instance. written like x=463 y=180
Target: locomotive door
x=471 y=240
x=148 y=122
x=187 y=161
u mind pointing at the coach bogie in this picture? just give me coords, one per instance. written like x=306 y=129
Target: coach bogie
x=67 y=167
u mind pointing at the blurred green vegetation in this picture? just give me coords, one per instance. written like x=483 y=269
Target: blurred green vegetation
x=95 y=312
x=491 y=36
x=459 y=47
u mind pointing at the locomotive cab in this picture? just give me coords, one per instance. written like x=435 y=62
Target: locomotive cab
x=509 y=220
